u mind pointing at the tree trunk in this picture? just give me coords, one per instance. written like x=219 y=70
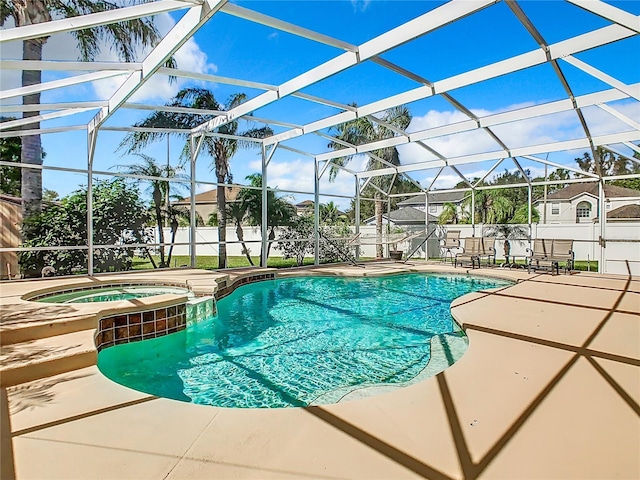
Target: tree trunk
x=31 y=154
x=378 y=212
x=174 y=230
x=157 y=201
x=272 y=236
x=240 y=235
x=222 y=225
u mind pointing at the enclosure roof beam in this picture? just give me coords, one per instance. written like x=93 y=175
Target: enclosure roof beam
x=580 y=143
x=44 y=107
x=38 y=118
x=558 y=165
x=253 y=16
x=146 y=129
x=632 y=146
x=56 y=65
x=620 y=116
x=182 y=31
x=62 y=83
x=632 y=91
x=484 y=177
x=610 y=12
x=577 y=44
x=41 y=131
x=417 y=27
x=73 y=24
x=296 y=150
x=207 y=77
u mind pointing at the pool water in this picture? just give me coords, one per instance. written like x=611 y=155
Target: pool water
x=292 y=342
x=112 y=294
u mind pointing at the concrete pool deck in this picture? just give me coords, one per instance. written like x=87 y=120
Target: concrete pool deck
x=549 y=388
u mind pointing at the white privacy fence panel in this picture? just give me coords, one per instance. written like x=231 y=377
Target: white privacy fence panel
x=622 y=245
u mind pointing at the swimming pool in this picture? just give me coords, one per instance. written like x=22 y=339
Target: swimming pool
x=300 y=341
x=112 y=293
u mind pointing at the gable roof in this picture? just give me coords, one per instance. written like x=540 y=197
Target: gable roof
x=210 y=196
x=434 y=197
x=625 y=211
x=591 y=188
x=406 y=215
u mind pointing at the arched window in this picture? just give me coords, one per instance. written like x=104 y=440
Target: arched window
x=583 y=210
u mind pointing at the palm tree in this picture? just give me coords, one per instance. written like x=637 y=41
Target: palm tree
x=280 y=213
x=491 y=206
x=174 y=214
x=125 y=36
x=237 y=212
x=220 y=149
x=507 y=232
x=330 y=214
x=364 y=130
x=449 y=214
x=160 y=192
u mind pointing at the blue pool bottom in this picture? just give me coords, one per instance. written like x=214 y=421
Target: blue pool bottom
x=303 y=341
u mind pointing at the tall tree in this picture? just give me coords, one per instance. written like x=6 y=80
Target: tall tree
x=158 y=176
x=364 y=130
x=124 y=36
x=280 y=213
x=220 y=149
x=608 y=163
x=237 y=212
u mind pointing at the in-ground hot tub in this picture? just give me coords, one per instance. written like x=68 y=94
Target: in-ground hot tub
x=110 y=293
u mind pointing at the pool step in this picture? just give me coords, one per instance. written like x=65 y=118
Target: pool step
x=200 y=308
x=34 y=359
x=25 y=329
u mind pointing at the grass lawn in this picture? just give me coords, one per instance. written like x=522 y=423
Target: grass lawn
x=211 y=263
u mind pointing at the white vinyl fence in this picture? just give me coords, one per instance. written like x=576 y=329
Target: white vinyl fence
x=622 y=245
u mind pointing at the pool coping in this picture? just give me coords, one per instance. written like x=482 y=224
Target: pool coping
x=520 y=414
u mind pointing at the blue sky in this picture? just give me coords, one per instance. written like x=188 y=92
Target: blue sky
x=232 y=47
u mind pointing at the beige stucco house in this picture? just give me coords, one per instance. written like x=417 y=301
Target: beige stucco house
x=578 y=202
x=207 y=202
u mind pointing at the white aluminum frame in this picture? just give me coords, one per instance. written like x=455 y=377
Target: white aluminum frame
x=623 y=25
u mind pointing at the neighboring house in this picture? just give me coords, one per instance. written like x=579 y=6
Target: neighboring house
x=10 y=237
x=304 y=207
x=625 y=213
x=207 y=202
x=403 y=217
x=578 y=202
x=436 y=201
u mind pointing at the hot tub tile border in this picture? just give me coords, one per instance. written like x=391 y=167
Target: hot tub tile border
x=131 y=327
x=225 y=288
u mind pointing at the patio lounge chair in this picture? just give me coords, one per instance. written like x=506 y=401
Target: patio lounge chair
x=548 y=253
x=562 y=251
x=450 y=242
x=471 y=252
x=487 y=249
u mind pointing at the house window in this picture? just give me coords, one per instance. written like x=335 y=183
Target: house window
x=555 y=209
x=583 y=210
x=433 y=208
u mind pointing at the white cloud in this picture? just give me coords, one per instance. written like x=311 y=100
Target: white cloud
x=298 y=174
x=189 y=57
x=360 y=5
x=273 y=36
x=533 y=131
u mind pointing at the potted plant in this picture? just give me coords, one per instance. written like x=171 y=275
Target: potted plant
x=394 y=253
x=507 y=232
